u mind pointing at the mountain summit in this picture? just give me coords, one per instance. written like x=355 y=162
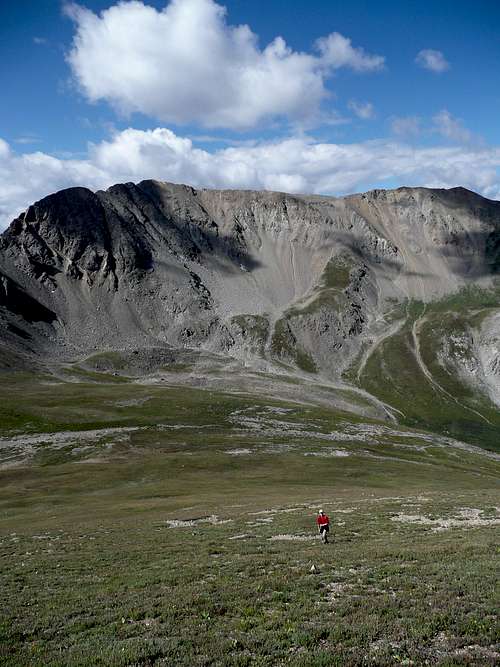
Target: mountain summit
x=316 y=287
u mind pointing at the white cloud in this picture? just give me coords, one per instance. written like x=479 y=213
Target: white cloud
x=337 y=51
x=363 y=110
x=406 y=126
x=28 y=138
x=432 y=60
x=185 y=64
x=296 y=164
x=451 y=128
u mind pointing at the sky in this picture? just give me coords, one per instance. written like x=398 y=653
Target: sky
x=312 y=96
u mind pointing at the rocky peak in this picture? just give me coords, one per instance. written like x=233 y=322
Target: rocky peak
x=165 y=264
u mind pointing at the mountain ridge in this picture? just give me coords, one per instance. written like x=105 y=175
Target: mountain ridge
x=311 y=286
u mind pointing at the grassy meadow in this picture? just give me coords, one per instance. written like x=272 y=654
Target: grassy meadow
x=143 y=524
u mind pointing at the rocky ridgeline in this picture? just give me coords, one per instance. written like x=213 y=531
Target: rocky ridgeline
x=264 y=277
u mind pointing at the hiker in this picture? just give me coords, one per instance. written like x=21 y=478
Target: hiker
x=323 y=526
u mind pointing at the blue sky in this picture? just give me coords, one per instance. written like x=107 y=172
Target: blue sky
x=393 y=93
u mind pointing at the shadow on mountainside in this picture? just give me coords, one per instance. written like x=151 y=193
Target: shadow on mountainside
x=14 y=299
x=185 y=226
x=470 y=255
x=473 y=254
x=363 y=253
x=121 y=231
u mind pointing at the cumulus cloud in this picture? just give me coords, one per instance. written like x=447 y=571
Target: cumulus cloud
x=363 y=110
x=186 y=64
x=295 y=164
x=432 y=60
x=337 y=51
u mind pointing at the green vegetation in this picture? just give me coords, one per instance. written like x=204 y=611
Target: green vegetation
x=472 y=298
x=445 y=403
x=84 y=374
x=110 y=360
x=93 y=469
x=305 y=361
x=285 y=346
x=31 y=404
x=146 y=594
x=337 y=273
x=94 y=575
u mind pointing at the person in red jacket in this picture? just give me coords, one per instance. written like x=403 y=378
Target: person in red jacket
x=323 y=525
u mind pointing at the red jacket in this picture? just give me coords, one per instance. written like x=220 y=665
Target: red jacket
x=322 y=520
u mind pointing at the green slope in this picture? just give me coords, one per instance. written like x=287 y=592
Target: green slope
x=438 y=400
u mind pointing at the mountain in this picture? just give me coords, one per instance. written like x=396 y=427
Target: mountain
x=385 y=303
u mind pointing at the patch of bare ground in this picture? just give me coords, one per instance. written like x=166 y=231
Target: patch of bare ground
x=329 y=452
x=243 y=451
x=466 y=517
x=20 y=450
x=213 y=520
x=287 y=537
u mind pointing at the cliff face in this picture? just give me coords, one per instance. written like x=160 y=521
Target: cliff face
x=311 y=282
